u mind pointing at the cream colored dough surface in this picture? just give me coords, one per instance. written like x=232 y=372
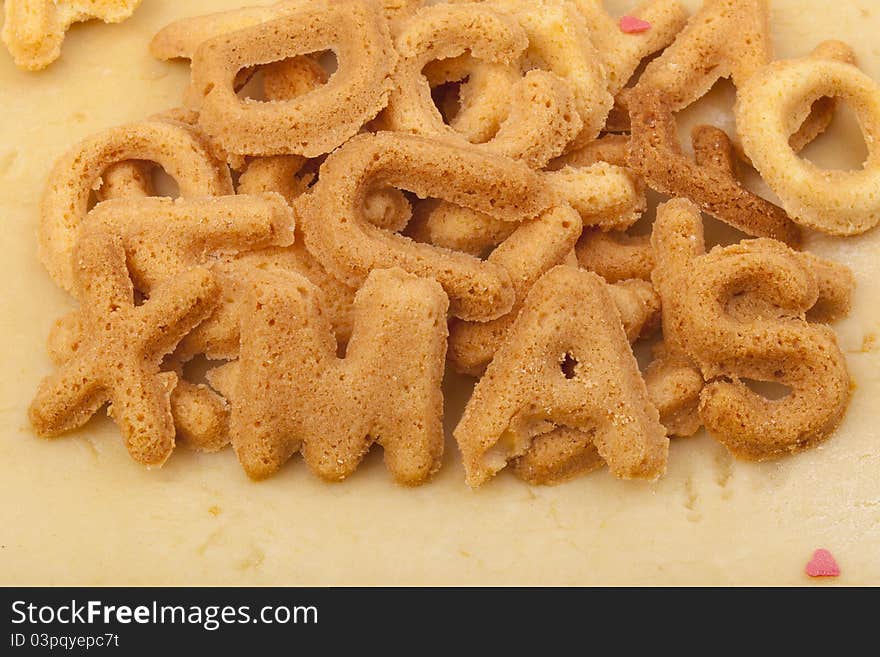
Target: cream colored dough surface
x=77 y=510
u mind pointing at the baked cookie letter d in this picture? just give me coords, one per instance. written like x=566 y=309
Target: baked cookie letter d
x=293 y=392
x=566 y=362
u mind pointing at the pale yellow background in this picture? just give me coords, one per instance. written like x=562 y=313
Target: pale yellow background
x=76 y=510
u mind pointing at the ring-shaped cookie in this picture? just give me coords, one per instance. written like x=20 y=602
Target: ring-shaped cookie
x=771 y=106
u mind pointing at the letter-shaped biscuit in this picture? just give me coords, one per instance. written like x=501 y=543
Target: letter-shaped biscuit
x=163 y=237
x=604 y=196
x=771 y=106
x=622 y=53
x=536 y=247
x=738 y=312
x=34 y=30
x=673 y=386
x=294 y=393
x=566 y=362
x=726 y=38
x=179 y=150
x=349 y=246
x=201 y=416
x=311 y=124
x=656 y=154
x=543 y=117
x=118 y=360
x=616 y=256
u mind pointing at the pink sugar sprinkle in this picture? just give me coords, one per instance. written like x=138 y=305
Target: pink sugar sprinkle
x=822 y=565
x=633 y=25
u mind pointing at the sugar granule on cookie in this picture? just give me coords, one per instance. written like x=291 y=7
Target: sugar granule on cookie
x=292 y=392
x=822 y=564
x=118 y=362
x=33 y=30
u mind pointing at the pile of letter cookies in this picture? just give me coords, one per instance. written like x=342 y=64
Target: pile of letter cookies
x=459 y=188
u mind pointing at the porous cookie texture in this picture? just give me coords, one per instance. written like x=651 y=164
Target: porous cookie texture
x=293 y=393
x=772 y=105
x=118 y=361
x=542 y=117
x=738 y=312
x=316 y=122
x=655 y=153
x=180 y=151
x=566 y=362
x=162 y=237
x=726 y=38
x=344 y=241
x=33 y=30
x=201 y=416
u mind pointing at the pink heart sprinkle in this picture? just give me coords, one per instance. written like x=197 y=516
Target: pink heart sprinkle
x=822 y=565
x=633 y=25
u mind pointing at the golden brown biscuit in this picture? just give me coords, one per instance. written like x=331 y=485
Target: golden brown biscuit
x=179 y=150
x=772 y=104
x=621 y=52
x=33 y=30
x=118 y=362
x=542 y=117
x=201 y=416
x=560 y=42
x=605 y=196
x=535 y=248
x=558 y=456
x=743 y=341
x=674 y=385
x=616 y=256
x=656 y=154
x=349 y=247
x=612 y=149
x=163 y=237
x=292 y=392
x=566 y=362
x=726 y=38
x=182 y=38
x=316 y=122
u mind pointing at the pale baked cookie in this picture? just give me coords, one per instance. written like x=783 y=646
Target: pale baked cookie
x=292 y=393
x=183 y=154
x=118 y=361
x=771 y=106
x=314 y=123
x=739 y=313
x=201 y=416
x=33 y=30
x=566 y=362
x=349 y=246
